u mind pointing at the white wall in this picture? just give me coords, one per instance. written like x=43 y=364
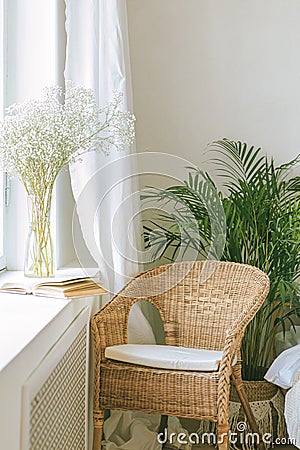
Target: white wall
x=207 y=69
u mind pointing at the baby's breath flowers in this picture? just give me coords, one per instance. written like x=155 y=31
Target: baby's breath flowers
x=39 y=137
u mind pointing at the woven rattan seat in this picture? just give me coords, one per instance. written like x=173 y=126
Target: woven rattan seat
x=203 y=305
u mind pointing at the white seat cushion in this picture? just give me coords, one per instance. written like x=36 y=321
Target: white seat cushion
x=166 y=356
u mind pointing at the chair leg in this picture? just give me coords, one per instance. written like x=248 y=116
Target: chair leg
x=98 y=427
x=223 y=432
x=163 y=424
x=238 y=384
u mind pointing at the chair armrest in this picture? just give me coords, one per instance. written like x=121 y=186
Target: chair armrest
x=230 y=350
x=235 y=333
x=233 y=340
x=109 y=325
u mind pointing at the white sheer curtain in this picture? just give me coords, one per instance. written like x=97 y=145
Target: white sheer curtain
x=97 y=57
x=104 y=189
x=106 y=194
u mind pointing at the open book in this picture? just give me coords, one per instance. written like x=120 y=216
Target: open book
x=64 y=288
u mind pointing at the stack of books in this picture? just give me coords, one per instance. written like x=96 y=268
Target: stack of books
x=62 y=288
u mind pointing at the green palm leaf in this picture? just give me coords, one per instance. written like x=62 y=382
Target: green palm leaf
x=261 y=215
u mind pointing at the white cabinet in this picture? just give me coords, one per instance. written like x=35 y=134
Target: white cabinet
x=44 y=372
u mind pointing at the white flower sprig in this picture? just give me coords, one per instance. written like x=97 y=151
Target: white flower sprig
x=39 y=137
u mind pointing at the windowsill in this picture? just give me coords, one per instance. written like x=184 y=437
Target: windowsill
x=23 y=317
x=17 y=276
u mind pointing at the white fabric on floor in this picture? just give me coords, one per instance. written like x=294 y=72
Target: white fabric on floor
x=138 y=431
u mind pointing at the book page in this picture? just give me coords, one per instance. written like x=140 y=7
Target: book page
x=79 y=281
x=15 y=288
x=59 y=292
x=67 y=281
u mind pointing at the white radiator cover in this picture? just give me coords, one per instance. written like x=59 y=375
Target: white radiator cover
x=55 y=396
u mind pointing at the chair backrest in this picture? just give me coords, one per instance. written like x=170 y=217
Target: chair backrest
x=198 y=301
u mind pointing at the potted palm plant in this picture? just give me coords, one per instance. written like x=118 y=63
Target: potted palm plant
x=261 y=214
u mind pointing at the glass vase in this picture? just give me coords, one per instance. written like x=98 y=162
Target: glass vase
x=39 y=260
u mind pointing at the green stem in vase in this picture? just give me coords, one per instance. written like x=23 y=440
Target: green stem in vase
x=39 y=255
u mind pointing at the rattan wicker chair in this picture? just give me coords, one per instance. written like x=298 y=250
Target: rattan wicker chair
x=204 y=305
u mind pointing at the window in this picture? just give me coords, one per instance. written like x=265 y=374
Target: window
x=2 y=175
x=34 y=46
x=29 y=39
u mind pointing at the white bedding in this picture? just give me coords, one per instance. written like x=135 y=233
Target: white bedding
x=285 y=367
x=285 y=372
x=292 y=413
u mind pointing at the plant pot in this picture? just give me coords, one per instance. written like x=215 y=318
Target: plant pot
x=267 y=404
x=256 y=391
